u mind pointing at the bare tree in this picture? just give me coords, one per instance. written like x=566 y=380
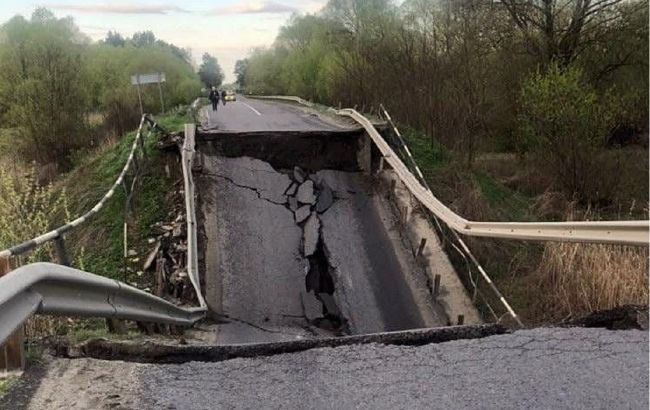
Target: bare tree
x=555 y=29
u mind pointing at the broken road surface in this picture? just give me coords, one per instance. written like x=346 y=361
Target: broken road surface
x=567 y=368
x=268 y=252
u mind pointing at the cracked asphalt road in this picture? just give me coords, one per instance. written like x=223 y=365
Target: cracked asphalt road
x=255 y=272
x=541 y=368
x=547 y=368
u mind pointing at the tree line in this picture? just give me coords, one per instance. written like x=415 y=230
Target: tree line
x=55 y=82
x=548 y=78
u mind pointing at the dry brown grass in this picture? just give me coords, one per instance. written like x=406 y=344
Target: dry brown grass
x=575 y=279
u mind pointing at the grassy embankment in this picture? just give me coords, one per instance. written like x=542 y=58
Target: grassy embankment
x=96 y=246
x=100 y=244
x=545 y=283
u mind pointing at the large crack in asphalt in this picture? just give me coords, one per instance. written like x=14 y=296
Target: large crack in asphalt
x=258 y=191
x=306 y=196
x=314 y=195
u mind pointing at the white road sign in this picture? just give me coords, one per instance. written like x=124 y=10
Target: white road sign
x=153 y=78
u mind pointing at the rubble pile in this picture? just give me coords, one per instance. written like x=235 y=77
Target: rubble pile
x=167 y=257
x=170 y=266
x=309 y=196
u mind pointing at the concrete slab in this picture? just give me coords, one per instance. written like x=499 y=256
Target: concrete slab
x=540 y=368
x=250 y=173
x=303 y=213
x=325 y=198
x=370 y=265
x=453 y=297
x=299 y=175
x=311 y=234
x=305 y=193
x=253 y=268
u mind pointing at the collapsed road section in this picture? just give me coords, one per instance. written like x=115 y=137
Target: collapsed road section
x=298 y=240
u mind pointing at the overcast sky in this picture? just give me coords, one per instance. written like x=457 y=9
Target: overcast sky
x=227 y=29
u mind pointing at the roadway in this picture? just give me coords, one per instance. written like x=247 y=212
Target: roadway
x=255 y=268
x=540 y=368
x=250 y=115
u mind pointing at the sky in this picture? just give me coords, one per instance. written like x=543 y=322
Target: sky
x=227 y=29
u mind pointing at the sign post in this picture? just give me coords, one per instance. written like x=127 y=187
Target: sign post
x=153 y=78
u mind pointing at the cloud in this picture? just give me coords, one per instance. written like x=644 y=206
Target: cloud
x=265 y=7
x=119 y=8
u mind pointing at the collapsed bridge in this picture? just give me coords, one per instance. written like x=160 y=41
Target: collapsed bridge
x=308 y=227
x=300 y=240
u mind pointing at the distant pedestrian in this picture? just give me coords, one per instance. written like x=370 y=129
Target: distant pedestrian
x=214 y=98
x=223 y=97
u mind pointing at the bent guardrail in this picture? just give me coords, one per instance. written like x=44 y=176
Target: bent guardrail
x=283 y=98
x=187 y=160
x=615 y=232
x=56 y=289
x=53 y=289
x=58 y=232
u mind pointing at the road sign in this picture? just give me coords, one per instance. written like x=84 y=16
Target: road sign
x=152 y=78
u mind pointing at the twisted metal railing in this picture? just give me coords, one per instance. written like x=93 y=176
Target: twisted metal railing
x=56 y=289
x=49 y=288
x=616 y=232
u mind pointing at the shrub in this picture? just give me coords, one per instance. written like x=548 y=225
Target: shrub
x=564 y=122
x=28 y=210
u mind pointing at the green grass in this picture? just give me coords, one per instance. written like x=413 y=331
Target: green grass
x=428 y=155
x=175 y=121
x=510 y=204
x=83 y=335
x=90 y=180
x=7 y=383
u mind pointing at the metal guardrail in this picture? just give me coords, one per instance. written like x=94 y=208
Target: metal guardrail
x=56 y=289
x=58 y=232
x=59 y=290
x=615 y=232
x=187 y=160
x=460 y=246
x=283 y=98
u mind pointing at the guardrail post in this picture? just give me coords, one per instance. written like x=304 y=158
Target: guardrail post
x=12 y=353
x=423 y=243
x=436 y=286
x=61 y=254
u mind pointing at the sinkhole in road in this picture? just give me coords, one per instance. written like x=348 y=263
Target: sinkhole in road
x=297 y=240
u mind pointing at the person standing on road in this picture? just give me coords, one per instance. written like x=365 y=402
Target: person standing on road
x=223 y=97
x=214 y=98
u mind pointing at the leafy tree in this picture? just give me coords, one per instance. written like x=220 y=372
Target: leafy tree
x=210 y=71
x=52 y=77
x=114 y=39
x=43 y=77
x=556 y=30
x=564 y=121
x=240 y=72
x=143 y=39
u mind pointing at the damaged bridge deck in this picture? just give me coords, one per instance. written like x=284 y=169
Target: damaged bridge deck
x=298 y=239
x=290 y=255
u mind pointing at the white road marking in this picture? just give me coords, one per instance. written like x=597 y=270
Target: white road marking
x=253 y=109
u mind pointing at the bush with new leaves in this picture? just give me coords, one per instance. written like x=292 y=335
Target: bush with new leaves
x=28 y=210
x=564 y=122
